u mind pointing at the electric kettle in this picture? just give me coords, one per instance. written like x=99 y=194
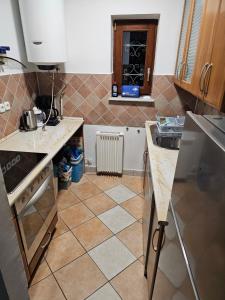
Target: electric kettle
x=28 y=121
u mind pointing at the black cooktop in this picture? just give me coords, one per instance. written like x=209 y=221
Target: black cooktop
x=17 y=165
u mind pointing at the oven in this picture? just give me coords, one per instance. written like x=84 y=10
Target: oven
x=35 y=210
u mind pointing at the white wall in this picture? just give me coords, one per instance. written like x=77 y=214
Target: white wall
x=11 y=34
x=89 y=36
x=134 y=145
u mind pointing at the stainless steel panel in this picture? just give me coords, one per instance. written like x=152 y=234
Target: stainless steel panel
x=36 y=216
x=173 y=281
x=198 y=199
x=11 y=264
x=218 y=121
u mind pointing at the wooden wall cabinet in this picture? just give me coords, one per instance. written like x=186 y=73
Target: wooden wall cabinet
x=188 y=46
x=201 y=58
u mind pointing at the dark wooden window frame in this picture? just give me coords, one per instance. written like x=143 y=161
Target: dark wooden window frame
x=121 y=26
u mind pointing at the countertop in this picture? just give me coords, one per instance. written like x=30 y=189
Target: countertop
x=39 y=141
x=162 y=165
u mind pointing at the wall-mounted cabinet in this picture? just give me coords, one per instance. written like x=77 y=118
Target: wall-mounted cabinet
x=201 y=54
x=189 y=40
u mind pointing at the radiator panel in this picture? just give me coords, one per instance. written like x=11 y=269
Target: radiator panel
x=109 y=149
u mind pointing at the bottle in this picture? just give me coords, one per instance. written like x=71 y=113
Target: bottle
x=114 y=89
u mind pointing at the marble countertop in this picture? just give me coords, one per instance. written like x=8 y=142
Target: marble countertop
x=162 y=164
x=39 y=141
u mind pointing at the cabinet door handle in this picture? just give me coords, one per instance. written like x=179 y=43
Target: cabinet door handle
x=155 y=248
x=145 y=159
x=145 y=154
x=202 y=77
x=148 y=74
x=184 y=64
x=178 y=70
x=207 y=79
x=48 y=241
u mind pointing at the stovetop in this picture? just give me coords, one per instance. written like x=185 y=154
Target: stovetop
x=17 y=165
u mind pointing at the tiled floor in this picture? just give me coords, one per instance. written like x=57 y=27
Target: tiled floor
x=96 y=252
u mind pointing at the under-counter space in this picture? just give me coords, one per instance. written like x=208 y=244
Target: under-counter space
x=49 y=141
x=162 y=164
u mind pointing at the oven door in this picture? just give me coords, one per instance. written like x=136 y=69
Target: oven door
x=36 y=216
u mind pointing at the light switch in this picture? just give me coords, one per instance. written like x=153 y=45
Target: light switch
x=7 y=105
x=2 y=108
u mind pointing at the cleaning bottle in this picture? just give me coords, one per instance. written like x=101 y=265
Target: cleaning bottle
x=114 y=89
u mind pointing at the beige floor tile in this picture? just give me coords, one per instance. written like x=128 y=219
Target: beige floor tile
x=83 y=180
x=91 y=176
x=63 y=250
x=85 y=190
x=142 y=195
x=105 y=182
x=66 y=199
x=134 y=206
x=60 y=228
x=135 y=183
x=80 y=278
x=142 y=259
x=132 y=238
x=41 y=272
x=140 y=221
x=131 y=283
x=76 y=215
x=105 y=293
x=100 y=203
x=46 y=289
x=92 y=233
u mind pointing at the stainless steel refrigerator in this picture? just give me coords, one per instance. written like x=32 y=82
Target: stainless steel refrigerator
x=191 y=263
x=13 y=282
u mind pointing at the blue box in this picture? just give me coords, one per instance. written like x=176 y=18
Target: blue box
x=131 y=91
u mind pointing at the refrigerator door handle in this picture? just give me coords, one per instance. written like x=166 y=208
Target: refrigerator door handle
x=161 y=236
x=155 y=248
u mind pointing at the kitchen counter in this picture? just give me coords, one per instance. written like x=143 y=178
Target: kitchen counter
x=39 y=141
x=162 y=164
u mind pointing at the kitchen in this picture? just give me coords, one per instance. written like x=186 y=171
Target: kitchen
x=112 y=149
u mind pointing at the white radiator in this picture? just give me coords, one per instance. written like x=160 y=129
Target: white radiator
x=109 y=148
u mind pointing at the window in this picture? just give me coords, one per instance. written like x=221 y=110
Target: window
x=134 y=51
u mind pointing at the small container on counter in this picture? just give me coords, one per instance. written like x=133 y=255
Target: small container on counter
x=114 y=89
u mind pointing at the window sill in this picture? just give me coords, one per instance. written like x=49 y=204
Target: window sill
x=141 y=99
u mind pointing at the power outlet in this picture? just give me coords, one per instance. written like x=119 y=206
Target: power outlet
x=2 y=108
x=7 y=105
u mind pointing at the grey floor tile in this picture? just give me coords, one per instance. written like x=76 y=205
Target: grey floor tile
x=111 y=257
x=105 y=293
x=116 y=219
x=120 y=193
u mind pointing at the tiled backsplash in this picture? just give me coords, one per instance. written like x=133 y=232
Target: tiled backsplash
x=87 y=95
x=18 y=90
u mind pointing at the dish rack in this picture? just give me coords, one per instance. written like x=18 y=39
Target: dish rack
x=170 y=126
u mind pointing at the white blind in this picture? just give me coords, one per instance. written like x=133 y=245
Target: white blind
x=192 y=49
x=183 y=32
